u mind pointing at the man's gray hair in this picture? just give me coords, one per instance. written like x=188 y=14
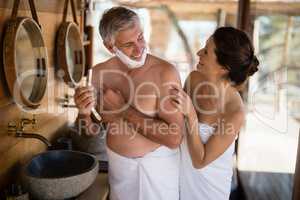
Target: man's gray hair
x=114 y=20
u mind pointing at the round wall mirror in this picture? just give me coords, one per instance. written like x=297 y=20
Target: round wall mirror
x=25 y=61
x=70 y=53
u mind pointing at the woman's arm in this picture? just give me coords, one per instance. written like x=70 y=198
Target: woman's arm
x=203 y=154
x=218 y=143
x=195 y=146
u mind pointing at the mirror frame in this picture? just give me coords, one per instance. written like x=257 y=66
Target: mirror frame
x=10 y=65
x=61 y=52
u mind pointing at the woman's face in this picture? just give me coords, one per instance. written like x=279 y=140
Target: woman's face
x=208 y=59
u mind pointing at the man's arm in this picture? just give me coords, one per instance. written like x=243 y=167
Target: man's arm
x=86 y=125
x=85 y=100
x=168 y=127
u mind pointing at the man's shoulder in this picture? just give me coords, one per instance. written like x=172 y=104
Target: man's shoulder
x=107 y=64
x=162 y=65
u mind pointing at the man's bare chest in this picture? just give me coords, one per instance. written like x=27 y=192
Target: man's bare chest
x=142 y=92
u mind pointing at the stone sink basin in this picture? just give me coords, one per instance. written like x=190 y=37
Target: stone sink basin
x=60 y=174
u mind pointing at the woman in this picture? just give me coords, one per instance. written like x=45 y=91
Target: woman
x=214 y=113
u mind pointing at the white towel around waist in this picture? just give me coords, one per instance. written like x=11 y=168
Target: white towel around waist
x=154 y=176
x=212 y=182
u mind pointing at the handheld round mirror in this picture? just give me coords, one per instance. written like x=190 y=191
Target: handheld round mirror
x=25 y=60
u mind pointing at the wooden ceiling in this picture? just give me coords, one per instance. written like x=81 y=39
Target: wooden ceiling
x=189 y=8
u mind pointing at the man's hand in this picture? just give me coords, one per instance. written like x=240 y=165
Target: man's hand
x=84 y=100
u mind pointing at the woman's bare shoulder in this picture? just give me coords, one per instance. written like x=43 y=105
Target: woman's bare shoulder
x=192 y=80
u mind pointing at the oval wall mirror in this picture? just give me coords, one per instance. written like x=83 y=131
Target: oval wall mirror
x=70 y=49
x=25 y=59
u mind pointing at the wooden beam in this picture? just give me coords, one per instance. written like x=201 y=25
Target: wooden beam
x=189 y=7
x=196 y=16
x=273 y=7
x=221 y=18
x=243 y=21
x=195 y=7
x=296 y=190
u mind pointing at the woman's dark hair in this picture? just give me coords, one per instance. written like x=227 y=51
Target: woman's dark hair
x=234 y=50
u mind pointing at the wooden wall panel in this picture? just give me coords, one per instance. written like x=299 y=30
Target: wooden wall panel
x=52 y=119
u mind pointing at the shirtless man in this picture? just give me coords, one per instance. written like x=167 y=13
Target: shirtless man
x=144 y=128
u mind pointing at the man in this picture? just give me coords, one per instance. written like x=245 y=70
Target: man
x=144 y=128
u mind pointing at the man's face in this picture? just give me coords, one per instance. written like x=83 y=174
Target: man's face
x=131 y=42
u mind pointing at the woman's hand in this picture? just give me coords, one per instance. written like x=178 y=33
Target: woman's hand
x=182 y=102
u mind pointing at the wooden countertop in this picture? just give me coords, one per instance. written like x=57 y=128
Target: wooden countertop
x=98 y=190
